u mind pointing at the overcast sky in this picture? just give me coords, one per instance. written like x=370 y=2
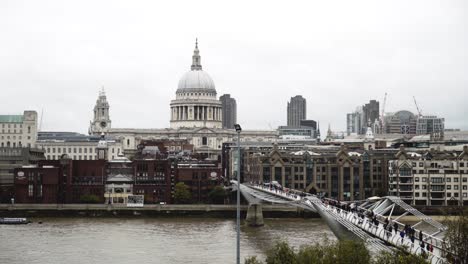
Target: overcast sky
x=56 y=55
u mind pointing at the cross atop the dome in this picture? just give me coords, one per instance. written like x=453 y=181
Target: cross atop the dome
x=196 y=59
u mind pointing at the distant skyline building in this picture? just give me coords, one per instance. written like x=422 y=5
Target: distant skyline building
x=357 y=121
x=229 y=111
x=432 y=125
x=401 y=122
x=297 y=111
x=354 y=122
x=370 y=112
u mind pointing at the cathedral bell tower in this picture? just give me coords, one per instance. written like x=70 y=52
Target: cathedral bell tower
x=101 y=122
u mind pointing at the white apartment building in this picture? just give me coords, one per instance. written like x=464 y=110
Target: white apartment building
x=433 y=178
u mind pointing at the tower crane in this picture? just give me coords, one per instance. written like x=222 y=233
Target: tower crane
x=417 y=107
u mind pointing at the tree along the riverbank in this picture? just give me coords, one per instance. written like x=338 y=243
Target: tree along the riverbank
x=457 y=237
x=217 y=195
x=182 y=194
x=343 y=252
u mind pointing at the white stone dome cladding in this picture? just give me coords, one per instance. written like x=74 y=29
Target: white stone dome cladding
x=196 y=81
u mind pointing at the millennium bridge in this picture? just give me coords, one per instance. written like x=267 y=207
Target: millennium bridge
x=369 y=220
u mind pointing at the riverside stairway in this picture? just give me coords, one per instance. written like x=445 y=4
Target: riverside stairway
x=352 y=224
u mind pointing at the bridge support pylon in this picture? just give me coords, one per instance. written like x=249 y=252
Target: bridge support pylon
x=254 y=215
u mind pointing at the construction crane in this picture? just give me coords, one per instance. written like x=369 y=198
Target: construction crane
x=417 y=107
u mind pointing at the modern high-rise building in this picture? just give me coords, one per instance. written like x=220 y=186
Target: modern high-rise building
x=357 y=121
x=296 y=111
x=432 y=125
x=354 y=122
x=229 y=111
x=370 y=112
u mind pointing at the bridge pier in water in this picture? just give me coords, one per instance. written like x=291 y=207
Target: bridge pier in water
x=254 y=215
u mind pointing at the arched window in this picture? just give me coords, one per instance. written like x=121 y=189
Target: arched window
x=29 y=129
x=8 y=144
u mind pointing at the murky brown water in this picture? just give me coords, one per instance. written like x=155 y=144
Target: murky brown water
x=148 y=240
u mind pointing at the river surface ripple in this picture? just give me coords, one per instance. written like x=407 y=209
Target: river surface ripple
x=149 y=240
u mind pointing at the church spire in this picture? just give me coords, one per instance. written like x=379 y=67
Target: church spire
x=196 y=59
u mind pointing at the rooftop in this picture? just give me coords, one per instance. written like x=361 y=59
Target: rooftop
x=11 y=118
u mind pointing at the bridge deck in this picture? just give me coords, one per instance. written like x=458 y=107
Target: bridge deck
x=375 y=236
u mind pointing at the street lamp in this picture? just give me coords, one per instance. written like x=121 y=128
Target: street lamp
x=238 y=130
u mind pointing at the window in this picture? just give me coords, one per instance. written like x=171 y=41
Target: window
x=455 y=179
x=464 y=187
x=448 y=180
x=416 y=194
x=424 y=179
x=455 y=194
x=416 y=187
x=39 y=191
x=29 y=130
x=424 y=187
x=85 y=150
x=404 y=171
x=30 y=190
x=204 y=141
x=74 y=150
x=455 y=187
x=128 y=142
x=464 y=179
x=465 y=195
x=449 y=187
x=416 y=179
x=424 y=195
x=79 y=150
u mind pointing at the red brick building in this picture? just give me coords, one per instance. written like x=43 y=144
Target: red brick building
x=68 y=181
x=37 y=184
x=200 y=176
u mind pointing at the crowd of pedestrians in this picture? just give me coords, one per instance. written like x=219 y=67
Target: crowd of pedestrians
x=406 y=231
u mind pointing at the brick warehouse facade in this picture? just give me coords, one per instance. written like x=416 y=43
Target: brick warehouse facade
x=68 y=181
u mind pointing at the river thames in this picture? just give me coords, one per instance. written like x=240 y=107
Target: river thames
x=149 y=240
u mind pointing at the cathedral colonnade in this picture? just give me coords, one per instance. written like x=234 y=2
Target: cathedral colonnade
x=196 y=113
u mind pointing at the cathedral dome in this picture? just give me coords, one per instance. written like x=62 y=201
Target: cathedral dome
x=196 y=81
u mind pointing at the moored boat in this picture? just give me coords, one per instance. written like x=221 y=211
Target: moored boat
x=13 y=221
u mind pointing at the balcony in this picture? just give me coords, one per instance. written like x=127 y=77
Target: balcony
x=406 y=182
